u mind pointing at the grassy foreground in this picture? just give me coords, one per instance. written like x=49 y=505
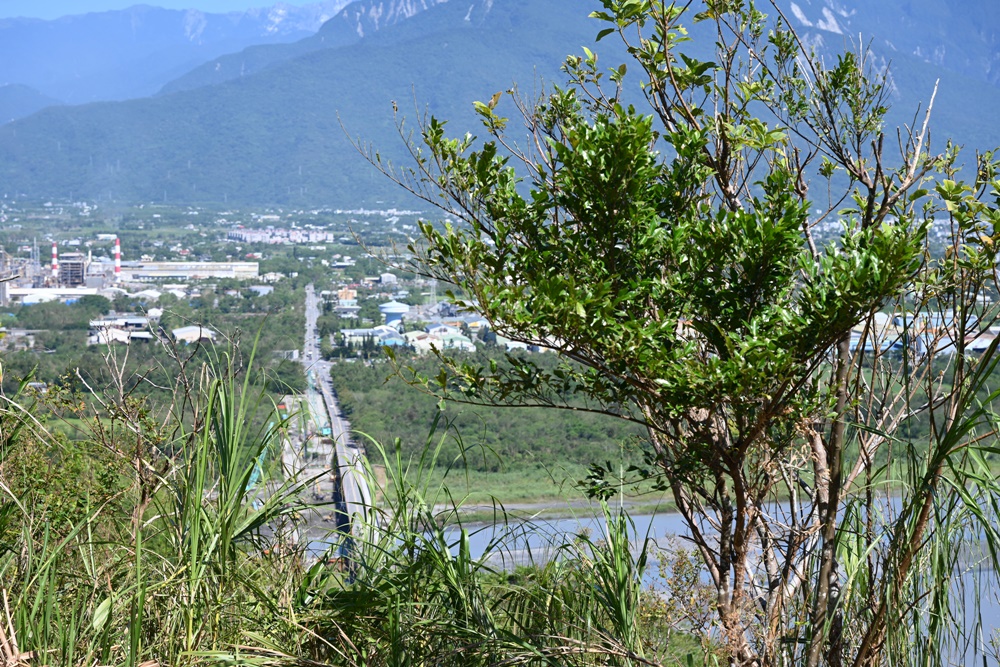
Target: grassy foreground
x=151 y=542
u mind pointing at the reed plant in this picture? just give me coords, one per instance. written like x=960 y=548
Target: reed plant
x=184 y=556
x=414 y=593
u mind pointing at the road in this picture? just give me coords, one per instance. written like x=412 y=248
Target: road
x=325 y=411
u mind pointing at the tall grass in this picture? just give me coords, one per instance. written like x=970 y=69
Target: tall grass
x=417 y=595
x=186 y=559
x=178 y=560
x=186 y=562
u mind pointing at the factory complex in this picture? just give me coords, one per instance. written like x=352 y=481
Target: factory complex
x=72 y=275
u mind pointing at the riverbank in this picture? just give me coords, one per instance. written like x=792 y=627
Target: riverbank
x=471 y=514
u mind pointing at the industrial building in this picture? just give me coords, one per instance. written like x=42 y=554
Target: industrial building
x=394 y=311
x=28 y=295
x=75 y=274
x=144 y=271
x=119 y=329
x=73 y=269
x=193 y=334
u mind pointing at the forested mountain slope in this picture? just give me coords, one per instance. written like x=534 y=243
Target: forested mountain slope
x=282 y=135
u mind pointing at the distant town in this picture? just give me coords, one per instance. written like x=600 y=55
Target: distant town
x=180 y=251
x=66 y=252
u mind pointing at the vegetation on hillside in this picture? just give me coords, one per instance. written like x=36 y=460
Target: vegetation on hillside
x=245 y=141
x=149 y=543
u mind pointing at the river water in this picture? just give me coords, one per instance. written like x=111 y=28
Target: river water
x=539 y=540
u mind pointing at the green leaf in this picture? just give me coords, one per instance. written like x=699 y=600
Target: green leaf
x=101 y=614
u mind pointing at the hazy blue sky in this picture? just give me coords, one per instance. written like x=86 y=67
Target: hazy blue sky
x=50 y=9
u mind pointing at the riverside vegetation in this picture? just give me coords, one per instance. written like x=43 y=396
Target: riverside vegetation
x=669 y=256
x=521 y=456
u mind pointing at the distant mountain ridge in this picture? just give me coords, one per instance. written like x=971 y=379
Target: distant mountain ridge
x=133 y=52
x=963 y=37
x=356 y=21
x=18 y=101
x=277 y=135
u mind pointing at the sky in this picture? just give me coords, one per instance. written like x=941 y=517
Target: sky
x=50 y=9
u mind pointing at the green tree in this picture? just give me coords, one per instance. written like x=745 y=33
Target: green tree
x=123 y=304
x=369 y=311
x=669 y=254
x=94 y=305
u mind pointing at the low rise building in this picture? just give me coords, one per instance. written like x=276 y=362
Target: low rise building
x=190 y=270
x=193 y=334
x=119 y=329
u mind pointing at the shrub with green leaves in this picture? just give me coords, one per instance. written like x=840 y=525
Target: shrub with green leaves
x=668 y=253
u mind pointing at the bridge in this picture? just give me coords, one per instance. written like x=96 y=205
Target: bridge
x=334 y=457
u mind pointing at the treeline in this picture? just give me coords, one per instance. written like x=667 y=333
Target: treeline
x=485 y=438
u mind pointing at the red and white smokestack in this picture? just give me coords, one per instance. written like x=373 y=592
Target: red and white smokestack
x=118 y=259
x=55 y=261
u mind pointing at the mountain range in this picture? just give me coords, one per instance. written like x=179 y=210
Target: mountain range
x=357 y=21
x=274 y=123
x=963 y=38
x=129 y=53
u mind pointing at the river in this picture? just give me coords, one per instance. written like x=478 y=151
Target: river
x=539 y=541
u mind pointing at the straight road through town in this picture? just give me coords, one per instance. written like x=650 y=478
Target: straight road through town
x=347 y=457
